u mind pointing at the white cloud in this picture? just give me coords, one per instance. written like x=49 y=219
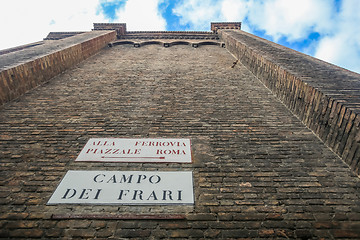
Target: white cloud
x=142 y=15
x=234 y=10
x=278 y=18
x=26 y=21
x=342 y=46
x=293 y=20
x=198 y=14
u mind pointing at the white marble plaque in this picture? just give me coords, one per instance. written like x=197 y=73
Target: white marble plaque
x=136 y=150
x=124 y=188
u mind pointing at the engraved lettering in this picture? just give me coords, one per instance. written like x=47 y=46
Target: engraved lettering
x=85 y=193
x=123 y=193
x=67 y=192
x=152 y=195
x=138 y=193
x=154 y=179
x=167 y=193
x=97 y=194
x=96 y=178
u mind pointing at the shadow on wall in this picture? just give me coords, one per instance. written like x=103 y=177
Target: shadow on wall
x=167 y=44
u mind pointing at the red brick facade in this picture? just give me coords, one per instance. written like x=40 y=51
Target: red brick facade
x=225 y=25
x=17 y=80
x=255 y=122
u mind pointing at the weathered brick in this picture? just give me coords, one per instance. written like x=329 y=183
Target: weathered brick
x=212 y=233
x=73 y=224
x=201 y=217
x=104 y=233
x=326 y=225
x=297 y=94
x=22 y=78
x=304 y=234
x=346 y=233
x=13 y=216
x=267 y=233
x=274 y=216
x=258 y=171
x=26 y=233
x=351 y=225
x=54 y=232
x=240 y=233
x=127 y=233
x=249 y=216
x=174 y=225
x=98 y=224
x=83 y=233
x=22 y=224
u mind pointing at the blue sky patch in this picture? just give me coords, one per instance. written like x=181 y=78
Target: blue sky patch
x=337 y=5
x=305 y=44
x=336 y=24
x=172 y=20
x=109 y=9
x=302 y=45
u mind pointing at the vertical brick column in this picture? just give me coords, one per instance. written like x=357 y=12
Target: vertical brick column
x=323 y=96
x=17 y=80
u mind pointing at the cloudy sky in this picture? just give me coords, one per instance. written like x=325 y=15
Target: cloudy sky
x=326 y=29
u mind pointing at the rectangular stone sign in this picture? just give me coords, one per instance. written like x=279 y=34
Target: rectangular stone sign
x=136 y=150
x=124 y=188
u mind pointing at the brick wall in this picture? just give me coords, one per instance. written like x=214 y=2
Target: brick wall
x=18 y=48
x=119 y=27
x=17 y=80
x=258 y=171
x=325 y=97
x=225 y=25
